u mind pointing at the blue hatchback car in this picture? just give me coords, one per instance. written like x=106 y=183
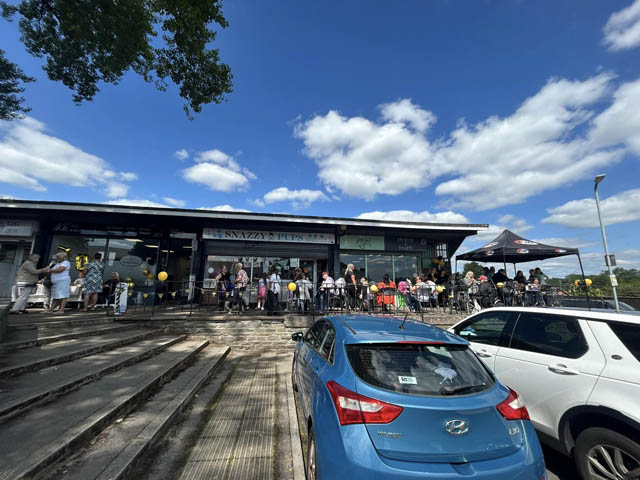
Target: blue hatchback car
x=387 y=399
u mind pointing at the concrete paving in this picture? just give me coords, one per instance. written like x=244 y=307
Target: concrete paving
x=248 y=435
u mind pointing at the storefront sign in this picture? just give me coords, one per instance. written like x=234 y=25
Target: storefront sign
x=264 y=236
x=406 y=244
x=130 y=261
x=16 y=228
x=361 y=242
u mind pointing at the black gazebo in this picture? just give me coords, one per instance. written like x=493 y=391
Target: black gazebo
x=511 y=248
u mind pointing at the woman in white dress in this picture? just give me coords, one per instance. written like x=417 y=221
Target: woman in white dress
x=60 y=282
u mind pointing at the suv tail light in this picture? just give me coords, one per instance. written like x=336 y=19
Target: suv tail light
x=513 y=408
x=354 y=408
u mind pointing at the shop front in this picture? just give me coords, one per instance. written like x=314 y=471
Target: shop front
x=400 y=257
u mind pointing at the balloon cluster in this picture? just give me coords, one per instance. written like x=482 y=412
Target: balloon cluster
x=580 y=283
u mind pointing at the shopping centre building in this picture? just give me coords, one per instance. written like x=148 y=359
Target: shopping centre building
x=192 y=245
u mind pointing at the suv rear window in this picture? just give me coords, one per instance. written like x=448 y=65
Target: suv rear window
x=419 y=369
x=629 y=334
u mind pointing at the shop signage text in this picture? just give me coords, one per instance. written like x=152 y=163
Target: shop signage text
x=266 y=236
x=361 y=242
x=406 y=244
x=16 y=228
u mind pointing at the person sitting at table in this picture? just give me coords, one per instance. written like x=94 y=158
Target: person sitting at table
x=500 y=276
x=520 y=278
x=532 y=276
x=386 y=292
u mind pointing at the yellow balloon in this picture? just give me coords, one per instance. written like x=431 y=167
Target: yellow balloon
x=588 y=282
x=128 y=279
x=292 y=287
x=499 y=284
x=374 y=289
x=150 y=276
x=162 y=276
x=439 y=289
x=576 y=283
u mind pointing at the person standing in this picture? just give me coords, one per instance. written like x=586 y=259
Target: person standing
x=26 y=279
x=241 y=281
x=351 y=284
x=60 y=282
x=273 y=298
x=94 y=271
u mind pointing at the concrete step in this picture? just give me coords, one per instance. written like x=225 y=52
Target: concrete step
x=32 y=338
x=17 y=362
x=25 y=391
x=40 y=322
x=120 y=447
x=35 y=440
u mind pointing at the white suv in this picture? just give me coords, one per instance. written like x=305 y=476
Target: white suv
x=579 y=374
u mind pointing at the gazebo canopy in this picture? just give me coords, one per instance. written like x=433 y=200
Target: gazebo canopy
x=511 y=248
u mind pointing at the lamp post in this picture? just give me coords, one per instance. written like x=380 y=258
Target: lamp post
x=607 y=258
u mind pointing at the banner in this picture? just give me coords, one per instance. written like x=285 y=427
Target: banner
x=267 y=236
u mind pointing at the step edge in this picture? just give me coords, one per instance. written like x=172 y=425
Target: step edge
x=57 y=360
x=23 y=405
x=128 y=458
x=96 y=422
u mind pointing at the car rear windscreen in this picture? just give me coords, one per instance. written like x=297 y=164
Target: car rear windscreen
x=419 y=369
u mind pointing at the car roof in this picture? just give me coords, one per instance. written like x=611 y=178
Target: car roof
x=375 y=329
x=601 y=315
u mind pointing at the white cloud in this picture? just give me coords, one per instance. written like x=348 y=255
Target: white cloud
x=409 y=216
x=297 y=198
x=554 y=138
x=406 y=112
x=181 y=154
x=622 y=30
x=29 y=157
x=218 y=171
x=362 y=158
x=620 y=123
x=620 y=208
x=174 y=202
x=129 y=202
x=225 y=208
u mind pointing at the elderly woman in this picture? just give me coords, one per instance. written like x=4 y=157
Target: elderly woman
x=60 y=282
x=27 y=278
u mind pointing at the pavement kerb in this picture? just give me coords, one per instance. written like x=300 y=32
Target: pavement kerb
x=294 y=432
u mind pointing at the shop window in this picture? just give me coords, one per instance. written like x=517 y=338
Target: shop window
x=134 y=261
x=378 y=266
x=79 y=248
x=404 y=267
x=358 y=262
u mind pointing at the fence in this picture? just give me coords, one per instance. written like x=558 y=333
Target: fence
x=299 y=298
x=306 y=298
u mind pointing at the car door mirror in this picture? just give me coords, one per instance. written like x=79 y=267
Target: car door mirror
x=297 y=337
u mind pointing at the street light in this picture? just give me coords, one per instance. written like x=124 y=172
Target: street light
x=607 y=258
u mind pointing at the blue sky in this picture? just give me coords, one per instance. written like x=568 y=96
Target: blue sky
x=485 y=112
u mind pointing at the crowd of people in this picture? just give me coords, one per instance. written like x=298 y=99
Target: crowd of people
x=56 y=280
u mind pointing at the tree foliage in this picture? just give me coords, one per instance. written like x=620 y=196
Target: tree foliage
x=85 y=42
x=11 y=77
x=628 y=281
x=474 y=267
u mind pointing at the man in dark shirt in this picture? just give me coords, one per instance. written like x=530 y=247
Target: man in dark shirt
x=500 y=276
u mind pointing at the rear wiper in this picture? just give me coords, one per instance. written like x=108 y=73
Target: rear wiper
x=453 y=391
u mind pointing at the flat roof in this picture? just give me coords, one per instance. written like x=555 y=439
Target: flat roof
x=219 y=214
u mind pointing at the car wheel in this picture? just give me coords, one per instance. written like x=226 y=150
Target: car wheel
x=603 y=454
x=293 y=375
x=312 y=469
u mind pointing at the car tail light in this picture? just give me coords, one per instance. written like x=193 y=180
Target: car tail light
x=513 y=408
x=354 y=408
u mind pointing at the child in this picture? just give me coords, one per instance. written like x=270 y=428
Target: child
x=262 y=292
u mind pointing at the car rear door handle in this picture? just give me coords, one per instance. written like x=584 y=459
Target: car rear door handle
x=484 y=354
x=563 y=369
